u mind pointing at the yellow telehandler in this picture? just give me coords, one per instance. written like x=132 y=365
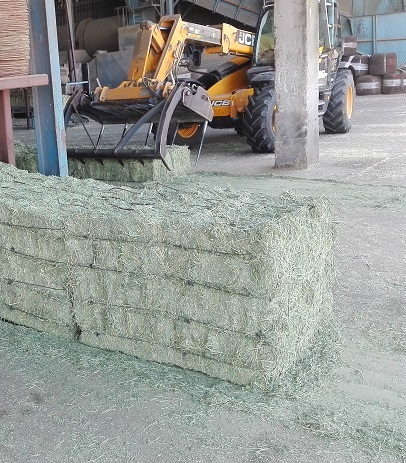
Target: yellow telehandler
x=239 y=93
x=154 y=93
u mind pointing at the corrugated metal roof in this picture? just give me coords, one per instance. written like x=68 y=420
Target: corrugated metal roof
x=372 y=7
x=244 y=11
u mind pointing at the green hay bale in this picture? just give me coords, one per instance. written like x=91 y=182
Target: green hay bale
x=45 y=303
x=26 y=157
x=177 y=158
x=202 y=303
x=109 y=170
x=108 y=255
x=37 y=323
x=91 y=316
x=275 y=346
x=228 y=271
x=252 y=316
x=249 y=315
x=106 y=287
x=222 y=346
x=192 y=337
x=79 y=252
x=111 y=227
x=34 y=293
x=34 y=271
x=116 y=296
x=38 y=243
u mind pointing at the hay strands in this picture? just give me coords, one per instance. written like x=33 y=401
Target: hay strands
x=175 y=107
x=14 y=38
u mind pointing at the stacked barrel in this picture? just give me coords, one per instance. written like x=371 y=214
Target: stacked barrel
x=14 y=38
x=374 y=74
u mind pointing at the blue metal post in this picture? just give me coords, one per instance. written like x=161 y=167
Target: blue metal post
x=374 y=33
x=47 y=101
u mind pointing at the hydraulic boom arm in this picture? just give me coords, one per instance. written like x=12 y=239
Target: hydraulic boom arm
x=159 y=49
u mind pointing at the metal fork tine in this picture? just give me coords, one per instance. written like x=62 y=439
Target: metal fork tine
x=148 y=133
x=205 y=123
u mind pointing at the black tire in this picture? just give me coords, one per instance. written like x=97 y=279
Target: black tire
x=239 y=129
x=337 y=118
x=259 y=120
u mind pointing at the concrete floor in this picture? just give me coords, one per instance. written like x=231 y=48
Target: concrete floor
x=62 y=402
x=370 y=153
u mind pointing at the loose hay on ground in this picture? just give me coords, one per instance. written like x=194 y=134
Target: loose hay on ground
x=237 y=285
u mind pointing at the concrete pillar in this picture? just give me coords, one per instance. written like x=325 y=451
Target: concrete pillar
x=296 y=54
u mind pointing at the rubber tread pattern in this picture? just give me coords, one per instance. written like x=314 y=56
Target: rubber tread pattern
x=257 y=122
x=335 y=119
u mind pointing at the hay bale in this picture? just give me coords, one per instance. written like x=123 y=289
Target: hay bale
x=189 y=336
x=43 y=302
x=233 y=284
x=34 y=271
x=38 y=243
x=19 y=317
x=109 y=170
x=163 y=354
x=18 y=99
x=26 y=156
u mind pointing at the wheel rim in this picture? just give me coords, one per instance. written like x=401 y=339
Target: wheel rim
x=273 y=119
x=188 y=131
x=350 y=101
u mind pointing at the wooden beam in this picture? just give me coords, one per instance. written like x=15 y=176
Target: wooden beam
x=9 y=83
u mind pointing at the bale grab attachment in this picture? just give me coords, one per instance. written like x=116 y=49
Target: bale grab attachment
x=184 y=102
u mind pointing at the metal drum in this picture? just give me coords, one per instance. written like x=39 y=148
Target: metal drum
x=360 y=63
x=369 y=85
x=383 y=63
x=393 y=83
x=349 y=45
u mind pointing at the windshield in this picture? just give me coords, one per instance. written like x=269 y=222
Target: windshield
x=265 y=41
x=322 y=32
x=264 y=53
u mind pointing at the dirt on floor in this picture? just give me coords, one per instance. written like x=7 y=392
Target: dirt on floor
x=64 y=402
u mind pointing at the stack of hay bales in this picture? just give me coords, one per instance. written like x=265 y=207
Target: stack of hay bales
x=14 y=38
x=113 y=170
x=33 y=285
x=233 y=284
